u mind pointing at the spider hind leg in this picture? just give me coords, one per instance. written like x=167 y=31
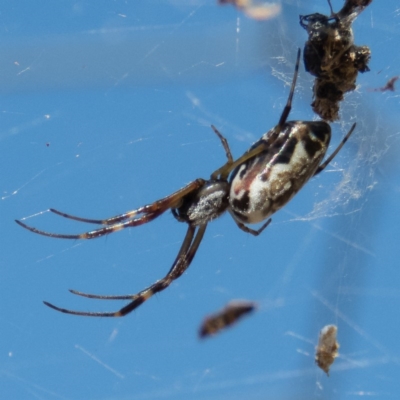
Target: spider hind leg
x=182 y=262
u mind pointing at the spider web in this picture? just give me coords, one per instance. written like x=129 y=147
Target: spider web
x=108 y=108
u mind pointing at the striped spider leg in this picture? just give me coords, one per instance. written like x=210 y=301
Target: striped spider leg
x=137 y=217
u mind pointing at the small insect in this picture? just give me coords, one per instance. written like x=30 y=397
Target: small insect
x=251 y=188
x=327 y=349
x=224 y=318
x=332 y=57
x=256 y=9
x=389 y=85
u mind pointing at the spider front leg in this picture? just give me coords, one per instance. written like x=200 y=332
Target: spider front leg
x=182 y=262
x=225 y=144
x=163 y=204
x=97 y=232
x=150 y=212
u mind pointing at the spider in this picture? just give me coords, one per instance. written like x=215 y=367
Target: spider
x=251 y=188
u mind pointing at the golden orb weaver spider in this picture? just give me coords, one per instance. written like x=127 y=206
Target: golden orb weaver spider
x=261 y=181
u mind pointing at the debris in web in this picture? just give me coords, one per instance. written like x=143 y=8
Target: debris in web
x=332 y=57
x=389 y=85
x=327 y=348
x=226 y=317
x=258 y=10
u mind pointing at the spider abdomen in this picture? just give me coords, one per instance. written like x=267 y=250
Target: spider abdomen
x=266 y=182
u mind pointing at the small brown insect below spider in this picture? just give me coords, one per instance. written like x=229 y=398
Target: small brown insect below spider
x=229 y=315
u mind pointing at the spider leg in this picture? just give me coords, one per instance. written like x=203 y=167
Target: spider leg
x=331 y=157
x=182 y=262
x=254 y=232
x=330 y=6
x=130 y=214
x=103 y=297
x=225 y=144
x=164 y=203
x=80 y=219
x=184 y=248
x=229 y=166
x=97 y=232
x=288 y=106
x=150 y=212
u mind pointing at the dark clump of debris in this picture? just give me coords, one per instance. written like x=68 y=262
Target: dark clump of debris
x=332 y=57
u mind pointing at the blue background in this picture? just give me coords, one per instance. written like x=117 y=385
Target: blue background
x=106 y=106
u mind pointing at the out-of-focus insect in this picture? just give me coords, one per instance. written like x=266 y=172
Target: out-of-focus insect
x=327 y=349
x=332 y=57
x=224 y=318
x=251 y=188
x=389 y=85
x=256 y=9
